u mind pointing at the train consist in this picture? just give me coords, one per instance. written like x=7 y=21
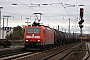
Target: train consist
x=41 y=37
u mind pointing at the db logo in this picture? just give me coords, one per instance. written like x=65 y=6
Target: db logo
x=32 y=35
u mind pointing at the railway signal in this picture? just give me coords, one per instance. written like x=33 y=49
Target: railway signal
x=81 y=22
x=81 y=18
x=81 y=13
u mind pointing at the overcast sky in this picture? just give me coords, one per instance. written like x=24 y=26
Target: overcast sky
x=54 y=13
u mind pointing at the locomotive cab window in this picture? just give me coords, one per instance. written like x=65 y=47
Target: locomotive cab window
x=33 y=30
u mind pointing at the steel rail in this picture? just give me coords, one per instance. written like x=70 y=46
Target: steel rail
x=63 y=57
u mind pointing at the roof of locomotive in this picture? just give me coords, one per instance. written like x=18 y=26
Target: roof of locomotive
x=30 y=26
x=39 y=26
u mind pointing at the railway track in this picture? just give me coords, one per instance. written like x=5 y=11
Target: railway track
x=61 y=55
x=51 y=54
x=14 y=53
x=15 y=56
x=87 y=56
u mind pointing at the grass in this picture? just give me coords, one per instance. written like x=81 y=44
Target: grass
x=79 y=51
x=1 y=47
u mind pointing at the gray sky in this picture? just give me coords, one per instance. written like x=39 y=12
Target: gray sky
x=53 y=14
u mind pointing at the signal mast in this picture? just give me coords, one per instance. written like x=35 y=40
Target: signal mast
x=81 y=21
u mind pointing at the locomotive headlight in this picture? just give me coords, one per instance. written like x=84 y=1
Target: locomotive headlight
x=26 y=40
x=38 y=40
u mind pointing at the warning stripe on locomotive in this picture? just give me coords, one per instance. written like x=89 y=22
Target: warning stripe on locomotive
x=32 y=36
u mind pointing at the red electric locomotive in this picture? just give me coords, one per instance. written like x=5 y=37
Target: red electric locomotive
x=38 y=37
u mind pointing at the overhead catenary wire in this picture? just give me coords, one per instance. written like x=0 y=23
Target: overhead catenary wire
x=30 y=7
x=68 y=15
x=35 y=10
x=26 y=5
x=64 y=7
x=48 y=10
x=20 y=15
x=14 y=14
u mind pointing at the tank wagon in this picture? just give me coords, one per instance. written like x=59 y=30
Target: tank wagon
x=41 y=37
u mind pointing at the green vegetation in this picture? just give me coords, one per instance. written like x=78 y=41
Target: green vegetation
x=1 y=47
x=17 y=33
x=79 y=51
